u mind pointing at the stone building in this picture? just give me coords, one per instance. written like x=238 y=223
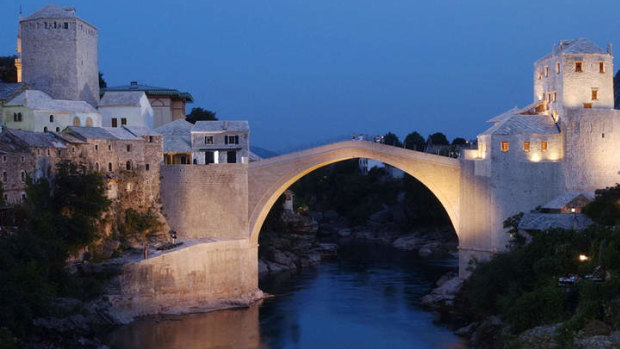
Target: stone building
x=168 y=104
x=219 y=142
x=126 y=108
x=57 y=53
x=130 y=157
x=34 y=110
x=565 y=141
x=177 y=142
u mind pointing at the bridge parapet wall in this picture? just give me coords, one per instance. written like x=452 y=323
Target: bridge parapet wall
x=202 y=201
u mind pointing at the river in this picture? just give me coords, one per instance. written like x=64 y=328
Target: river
x=366 y=298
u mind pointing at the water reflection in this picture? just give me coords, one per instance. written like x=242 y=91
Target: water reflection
x=368 y=298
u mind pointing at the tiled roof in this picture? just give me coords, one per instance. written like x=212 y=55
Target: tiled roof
x=121 y=98
x=8 y=90
x=102 y=133
x=177 y=144
x=52 y=11
x=151 y=90
x=220 y=126
x=523 y=124
x=39 y=100
x=177 y=127
x=575 y=46
x=141 y=131
x=564 y=199
x=35 y=139
x=177 y=136
x=544 y=221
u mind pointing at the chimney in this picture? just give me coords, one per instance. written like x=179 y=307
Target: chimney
x=609 y=48
x=133 y=83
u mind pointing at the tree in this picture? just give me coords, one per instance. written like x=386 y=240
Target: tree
x=605 y=209
x=415 y=141
x=199 y=114
x=8 y=72
x=391 y=139
x=102 y=83
x=439 y=138
x=459 y=141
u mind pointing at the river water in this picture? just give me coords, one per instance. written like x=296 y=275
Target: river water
x=366 y=298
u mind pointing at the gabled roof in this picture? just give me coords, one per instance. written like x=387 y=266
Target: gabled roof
x=39 y=100
x=523 y=124
x=575 y=46
x=564 y=199
x=52 y=11
x=121 y=98
x=101 y=133
x=34 y=139
x=221 y=126
x=141 y=131
x=8 y=90
x=544 y=221
x=177 y=127
x=151 y=90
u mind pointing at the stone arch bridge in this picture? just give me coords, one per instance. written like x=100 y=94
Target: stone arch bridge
x=219 y=210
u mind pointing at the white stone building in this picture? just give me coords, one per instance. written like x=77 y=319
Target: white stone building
x=58 y=54
x=566 y=141
x=219 y=142
x=126 y=108
x=34 y=110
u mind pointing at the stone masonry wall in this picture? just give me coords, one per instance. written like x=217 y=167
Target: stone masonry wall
x=202 y=201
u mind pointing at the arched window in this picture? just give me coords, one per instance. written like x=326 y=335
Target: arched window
x=45 y=129
x=76 y=121
x=128 y=165
x=57 y=129
x=110 y=166
x=89 y=122
x=51 y=118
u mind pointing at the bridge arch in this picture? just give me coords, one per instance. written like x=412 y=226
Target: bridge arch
x=269 y=178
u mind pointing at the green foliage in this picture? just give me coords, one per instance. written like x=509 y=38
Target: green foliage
x=439 y=138
x=58 y=219
x=391 y=139
x=200 y=114
x=139 y=225
x=605 y=209
x=521 y=285
x=415 y=141
x=8 y=72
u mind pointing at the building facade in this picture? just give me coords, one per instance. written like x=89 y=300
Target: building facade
x=130 y=108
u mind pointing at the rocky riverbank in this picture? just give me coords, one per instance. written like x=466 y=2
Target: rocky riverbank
x=448 y=301
x=315 y=236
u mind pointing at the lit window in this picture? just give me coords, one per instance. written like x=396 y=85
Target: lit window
x=526 y=146
x=579 y=66
x=548 y=97
x=601 y=67
x=595 y=94
x=231 y=139
x=89 y=122
x=123 y=121
x=555 y=96
x=546 y=71
x=504 y=146
x=76 y=121
x=557 y=68
x=543 y=145
x=587 y=105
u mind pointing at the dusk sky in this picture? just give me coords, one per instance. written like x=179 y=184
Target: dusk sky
x=306 y=72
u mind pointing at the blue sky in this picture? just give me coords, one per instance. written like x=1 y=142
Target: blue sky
x=304 y=72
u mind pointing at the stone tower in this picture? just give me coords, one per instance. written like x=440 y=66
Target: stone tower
x=59 y=54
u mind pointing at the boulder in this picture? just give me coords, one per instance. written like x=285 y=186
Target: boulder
x=541 y=337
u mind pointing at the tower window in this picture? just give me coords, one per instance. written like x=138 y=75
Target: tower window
x=128 y=147
x=579 y=66
x=555 y=96
x=546 y=71
x=601 y=67
x=96 y=147
x=595 y=94
x=557 y=68
x=128 y=165
x=505 y=146
x=109 y=166
x=526 y=146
